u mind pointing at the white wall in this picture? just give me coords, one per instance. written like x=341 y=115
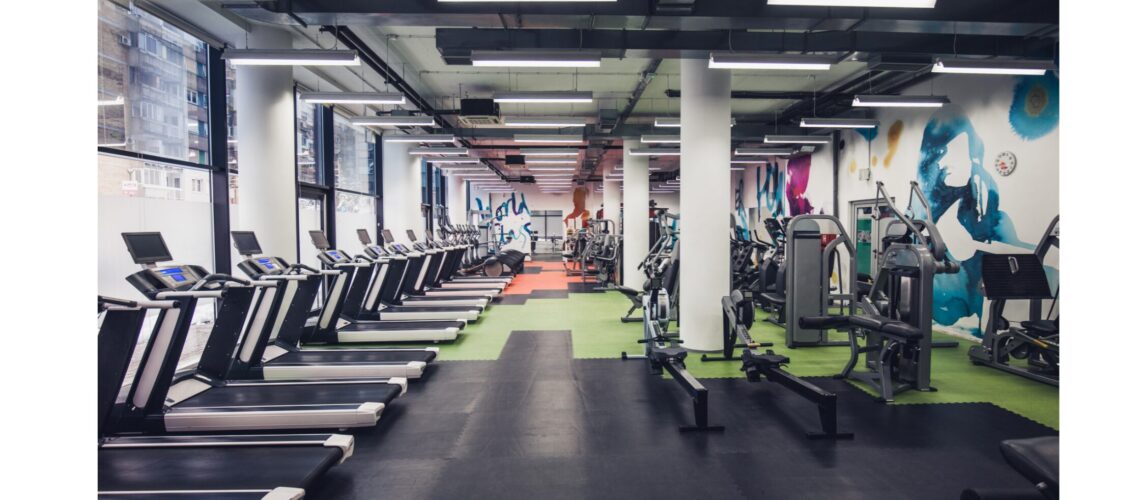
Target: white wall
x=1028 y=197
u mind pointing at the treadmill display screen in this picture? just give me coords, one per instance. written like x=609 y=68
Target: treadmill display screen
x=335 y=254
x=245 y=242
x=147 y=248
x=266 y=263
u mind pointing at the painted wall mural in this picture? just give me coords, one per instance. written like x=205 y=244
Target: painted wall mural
x=956 y=152
x=770 y=191
x=741 y=220
x=511 y=222
x=580 y=210
x=1036 y=109
x=799 y=172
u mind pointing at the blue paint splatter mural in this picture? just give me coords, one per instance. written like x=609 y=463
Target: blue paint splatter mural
x=770 y=192
x=951 y=175
x=1036 y=108
x=868 y=133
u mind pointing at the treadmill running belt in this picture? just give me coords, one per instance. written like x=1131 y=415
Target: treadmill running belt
x=213 y=468
x=347 y=356
x=315 y=394
x=381 y=326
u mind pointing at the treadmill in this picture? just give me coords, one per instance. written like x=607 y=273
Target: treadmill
x=199 y=466
x=442 y=273
x=199 y=398
x=270 y=350
x=336 y=321
x=396 y=289
x=383 y=275
x=419 y=263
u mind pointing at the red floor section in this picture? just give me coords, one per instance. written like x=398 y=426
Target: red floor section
x=552 y=277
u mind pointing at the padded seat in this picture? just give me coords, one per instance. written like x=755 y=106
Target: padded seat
x=901 y=329
x=627 y=291
x=1038 y=459
x=774 y=298
x=823 y=322
x=870 y=322
x=663 y=354
x=1042 y=328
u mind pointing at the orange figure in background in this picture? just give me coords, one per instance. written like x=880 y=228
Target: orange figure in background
x=579 y=207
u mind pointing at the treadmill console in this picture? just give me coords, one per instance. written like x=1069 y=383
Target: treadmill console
x=332 y=257
x=155 y=280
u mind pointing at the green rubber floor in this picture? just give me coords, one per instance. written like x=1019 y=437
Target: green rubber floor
x=596 y=332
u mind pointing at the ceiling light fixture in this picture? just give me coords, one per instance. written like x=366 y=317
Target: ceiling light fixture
x=839 y=123
x=660 y=139
x=550 y=139
x=551 y=169
x=353 y=98
x=460 y=161
x=796 y=139
x=675 y=122
x=533 y=59
x=748 y=162
x=551 y=161
x=906 y=4
x=543 y=97
x=394 y=121
x=548 y=152
x=291 y=57
x=732 y=60
x=420 y=138
x=899 y=101
x=655 y=152
x=992 y=67
x=523 y=121
x=437 y=151
x=763 y=151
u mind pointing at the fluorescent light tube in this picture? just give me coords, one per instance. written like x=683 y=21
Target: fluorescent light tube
x=550 y=139
x=291 y=57
x=393 y=121
x=655 y=152
x=906 y=4
x=437 y=151
x=748 y=162
x=899 y=101
x=522 y=121
x=551 y=161
x=796 y=139
x=991 y=67
x=543 y=97
x=551 y=169
x=534 y=59
x=548 y=152
x=353 y=97
x=839 y=123
x=420 y=138
x=728 y=60
x=675 y=122
x=460 y=161
x=660 y=139
x=763 y=151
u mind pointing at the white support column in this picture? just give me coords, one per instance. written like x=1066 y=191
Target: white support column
x=402 y=191
x=456 y=199
x=705 y=156
x=267 y=188
x=635 y=198
x=611 y=198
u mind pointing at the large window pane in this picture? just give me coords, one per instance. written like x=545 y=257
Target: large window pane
x=306 y=143
x=152 y=86
x=231 y=118
x=354 y=156
x=354 y=212
x=310 y=217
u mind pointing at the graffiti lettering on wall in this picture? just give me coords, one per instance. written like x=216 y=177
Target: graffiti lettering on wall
x=510 y=222
x=769 y=196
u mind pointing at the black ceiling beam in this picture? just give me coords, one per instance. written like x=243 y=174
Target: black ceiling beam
x=456 y=44
x=992 y=16
x=346 y=36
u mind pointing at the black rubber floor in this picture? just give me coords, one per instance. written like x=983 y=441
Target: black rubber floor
x=539 y=424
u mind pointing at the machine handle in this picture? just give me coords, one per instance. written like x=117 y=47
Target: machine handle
x=218 y=278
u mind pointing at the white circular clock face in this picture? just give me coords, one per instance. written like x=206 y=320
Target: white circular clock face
x=1005 y=163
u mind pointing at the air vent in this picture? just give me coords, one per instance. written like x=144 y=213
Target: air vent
x=479 y=113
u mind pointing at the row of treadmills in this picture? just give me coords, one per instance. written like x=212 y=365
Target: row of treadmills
x=271 y=362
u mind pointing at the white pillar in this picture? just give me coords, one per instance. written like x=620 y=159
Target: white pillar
x=635 y=198
x=705 y=156
x=611 y=199
x=263 y=101
x=402 y=191
x=456 y=199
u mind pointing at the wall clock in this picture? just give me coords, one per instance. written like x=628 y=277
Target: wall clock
x=1005 y=163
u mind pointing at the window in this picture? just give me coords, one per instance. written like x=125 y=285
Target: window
x=354 y=157
x=159 y=92
x=197 y=183
x=354 y=212
x=307 y=170
x=231 y=119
